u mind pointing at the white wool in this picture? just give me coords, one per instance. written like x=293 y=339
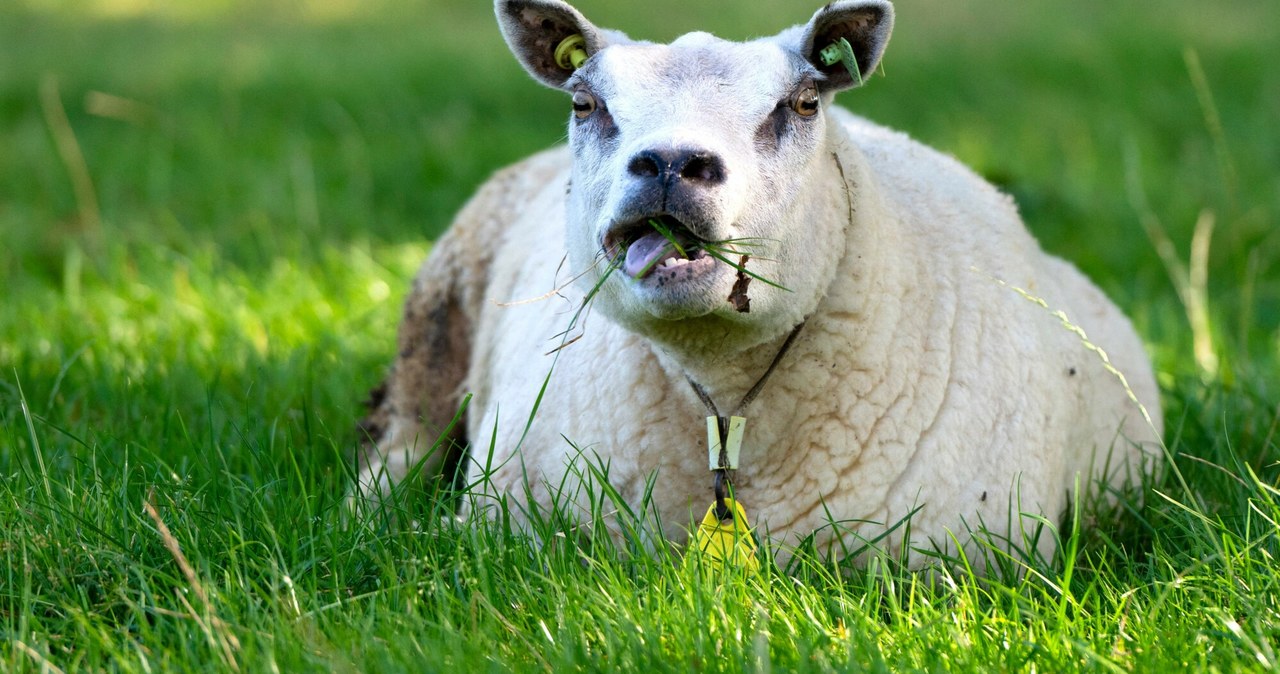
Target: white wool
x=927 y=378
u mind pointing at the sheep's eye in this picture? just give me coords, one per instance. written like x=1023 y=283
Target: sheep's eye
x=805 y=102
x=583 y=104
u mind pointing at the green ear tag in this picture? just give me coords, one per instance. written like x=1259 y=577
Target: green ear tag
x=571 y=53
x=841 y=52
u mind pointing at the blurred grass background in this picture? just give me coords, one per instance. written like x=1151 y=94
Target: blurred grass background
x=257 y=127
x=210 y=211
x=252 y=141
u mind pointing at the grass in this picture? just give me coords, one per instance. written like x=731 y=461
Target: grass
x=209 y=214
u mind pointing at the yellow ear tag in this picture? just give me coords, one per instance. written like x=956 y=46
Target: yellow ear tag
x=571 y=53
x=727 y=544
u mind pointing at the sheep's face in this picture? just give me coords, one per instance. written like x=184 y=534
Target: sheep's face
x=691 y=155
x=710 y=141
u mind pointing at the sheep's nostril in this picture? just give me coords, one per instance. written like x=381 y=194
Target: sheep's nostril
x=704 y=168
x=646 y=165
x=693 y=166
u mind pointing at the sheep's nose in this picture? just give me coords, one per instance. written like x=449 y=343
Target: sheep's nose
x=667 y=166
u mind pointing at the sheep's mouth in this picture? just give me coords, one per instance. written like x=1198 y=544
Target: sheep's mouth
x=656 y=246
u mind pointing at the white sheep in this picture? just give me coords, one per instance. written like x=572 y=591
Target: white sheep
x=932 y=377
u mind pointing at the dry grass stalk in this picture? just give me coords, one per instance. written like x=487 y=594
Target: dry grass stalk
x=216 y=630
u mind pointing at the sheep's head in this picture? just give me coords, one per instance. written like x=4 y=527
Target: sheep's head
x=713 y=141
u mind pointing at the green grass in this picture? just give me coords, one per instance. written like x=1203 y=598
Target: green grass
x=194 y=329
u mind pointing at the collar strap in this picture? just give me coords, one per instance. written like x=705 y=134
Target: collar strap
x=723 y=489
x=755 y=388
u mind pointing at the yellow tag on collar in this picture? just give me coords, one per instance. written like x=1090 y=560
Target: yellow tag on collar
x=727 y=544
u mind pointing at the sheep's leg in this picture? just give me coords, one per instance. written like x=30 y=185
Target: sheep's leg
x=414 y=421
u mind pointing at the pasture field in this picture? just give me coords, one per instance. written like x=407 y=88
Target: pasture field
x=209 y=214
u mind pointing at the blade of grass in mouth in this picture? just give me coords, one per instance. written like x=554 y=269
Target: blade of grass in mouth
x=714 y=250
x=670 y=236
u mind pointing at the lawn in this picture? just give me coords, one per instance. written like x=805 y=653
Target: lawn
x=209 y=214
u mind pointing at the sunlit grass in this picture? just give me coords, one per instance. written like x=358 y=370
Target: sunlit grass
x=319 y=11
x=150 y=311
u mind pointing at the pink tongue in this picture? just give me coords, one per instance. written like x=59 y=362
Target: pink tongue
x=645 y=254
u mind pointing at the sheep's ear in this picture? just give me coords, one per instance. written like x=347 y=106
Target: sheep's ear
x=864 y=24
x=534 y=29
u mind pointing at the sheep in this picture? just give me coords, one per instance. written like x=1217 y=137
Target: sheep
x=938 y=368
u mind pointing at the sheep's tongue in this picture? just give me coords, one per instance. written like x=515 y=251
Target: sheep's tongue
x=645 y=253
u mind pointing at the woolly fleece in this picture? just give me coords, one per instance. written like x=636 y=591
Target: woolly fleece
x=926 y=380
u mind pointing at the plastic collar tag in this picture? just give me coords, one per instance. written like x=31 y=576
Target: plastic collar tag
x=727 y=544
x=733 y=442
